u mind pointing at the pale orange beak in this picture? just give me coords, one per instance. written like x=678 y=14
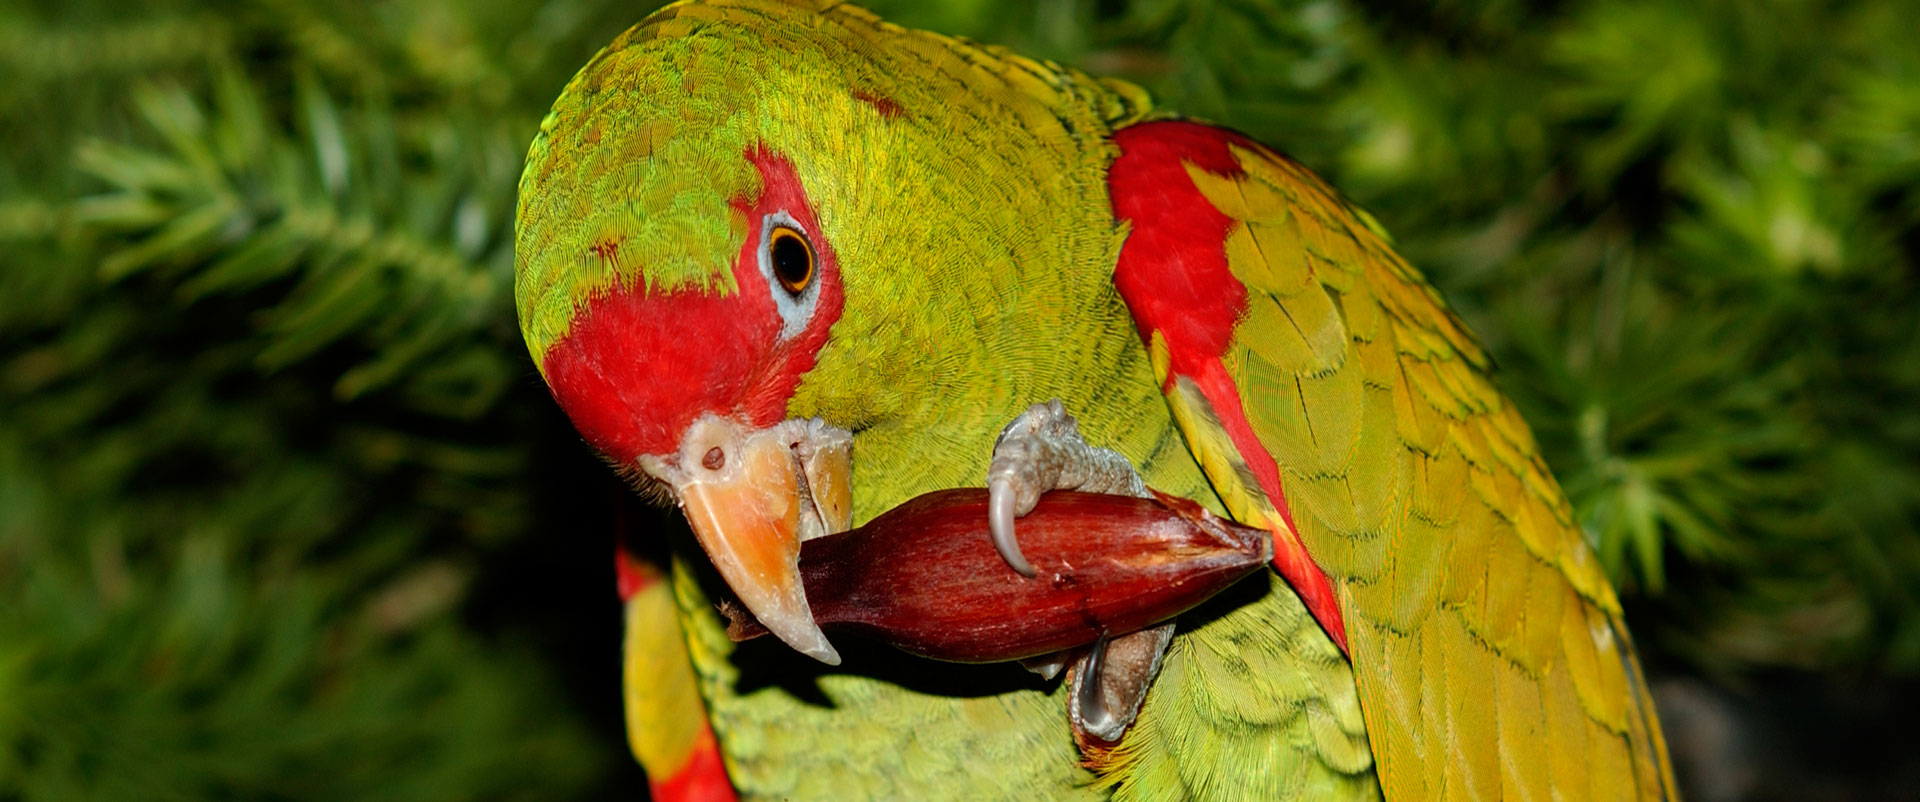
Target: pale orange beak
x=752 y=496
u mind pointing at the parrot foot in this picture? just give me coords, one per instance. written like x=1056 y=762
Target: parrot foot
x=1042 y=450
x=1110 y=684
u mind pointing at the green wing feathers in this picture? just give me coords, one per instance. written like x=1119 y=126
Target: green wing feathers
x=1488 y=647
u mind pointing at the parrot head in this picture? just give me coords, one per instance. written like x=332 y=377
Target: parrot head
x=743 y=231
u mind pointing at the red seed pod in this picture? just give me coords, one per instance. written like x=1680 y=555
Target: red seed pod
x=925 y=578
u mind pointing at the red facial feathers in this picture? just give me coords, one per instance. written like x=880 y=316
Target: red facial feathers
x=637 y=368
x=1174 y=276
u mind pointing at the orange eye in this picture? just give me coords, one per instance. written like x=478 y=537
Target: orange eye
x=791 y=259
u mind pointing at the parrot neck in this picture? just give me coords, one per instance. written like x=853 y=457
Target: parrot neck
x=941 y=430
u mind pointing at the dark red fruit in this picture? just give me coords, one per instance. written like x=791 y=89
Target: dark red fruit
x=925 y=578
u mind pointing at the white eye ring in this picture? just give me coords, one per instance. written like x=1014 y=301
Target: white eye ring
x=795 y=310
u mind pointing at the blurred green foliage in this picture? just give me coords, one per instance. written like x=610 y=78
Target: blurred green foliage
x=264 y=417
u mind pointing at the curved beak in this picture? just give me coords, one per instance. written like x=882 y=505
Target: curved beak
x=752 y=496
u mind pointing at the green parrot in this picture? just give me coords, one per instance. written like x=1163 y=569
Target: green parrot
x=788 y=266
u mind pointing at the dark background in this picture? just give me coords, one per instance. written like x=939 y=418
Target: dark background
x=286 y=514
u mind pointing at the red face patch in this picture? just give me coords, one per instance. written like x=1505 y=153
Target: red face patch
x=636 y=369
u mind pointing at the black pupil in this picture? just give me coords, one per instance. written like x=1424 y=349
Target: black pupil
x=792 y=264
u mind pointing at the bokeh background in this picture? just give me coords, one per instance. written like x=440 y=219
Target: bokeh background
x=285 y=513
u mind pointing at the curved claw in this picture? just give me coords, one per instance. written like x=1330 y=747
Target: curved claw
x=1002 y=508
x=1091 y=704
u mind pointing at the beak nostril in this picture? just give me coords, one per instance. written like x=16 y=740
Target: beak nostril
x=751 y=500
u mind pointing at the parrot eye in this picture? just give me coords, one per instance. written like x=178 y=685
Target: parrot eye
x=791 y=258
x=791 y=267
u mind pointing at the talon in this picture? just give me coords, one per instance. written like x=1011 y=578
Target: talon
x=1042 y=450
x=1090 y=700
x=1002 y=508
x=1111 y=683
x=1039 y=451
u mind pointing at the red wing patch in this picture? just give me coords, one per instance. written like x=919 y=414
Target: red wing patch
x=704 y=779
x=631 y=574
x=1174 y=276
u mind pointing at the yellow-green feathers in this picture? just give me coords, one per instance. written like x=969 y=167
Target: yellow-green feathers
x=1488 y=647
x=633 y=172
x=963 y=191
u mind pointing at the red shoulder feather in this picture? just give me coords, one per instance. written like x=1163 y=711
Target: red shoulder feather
x=1173 y=274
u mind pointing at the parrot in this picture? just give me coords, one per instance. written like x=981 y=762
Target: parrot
x=786 y=266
